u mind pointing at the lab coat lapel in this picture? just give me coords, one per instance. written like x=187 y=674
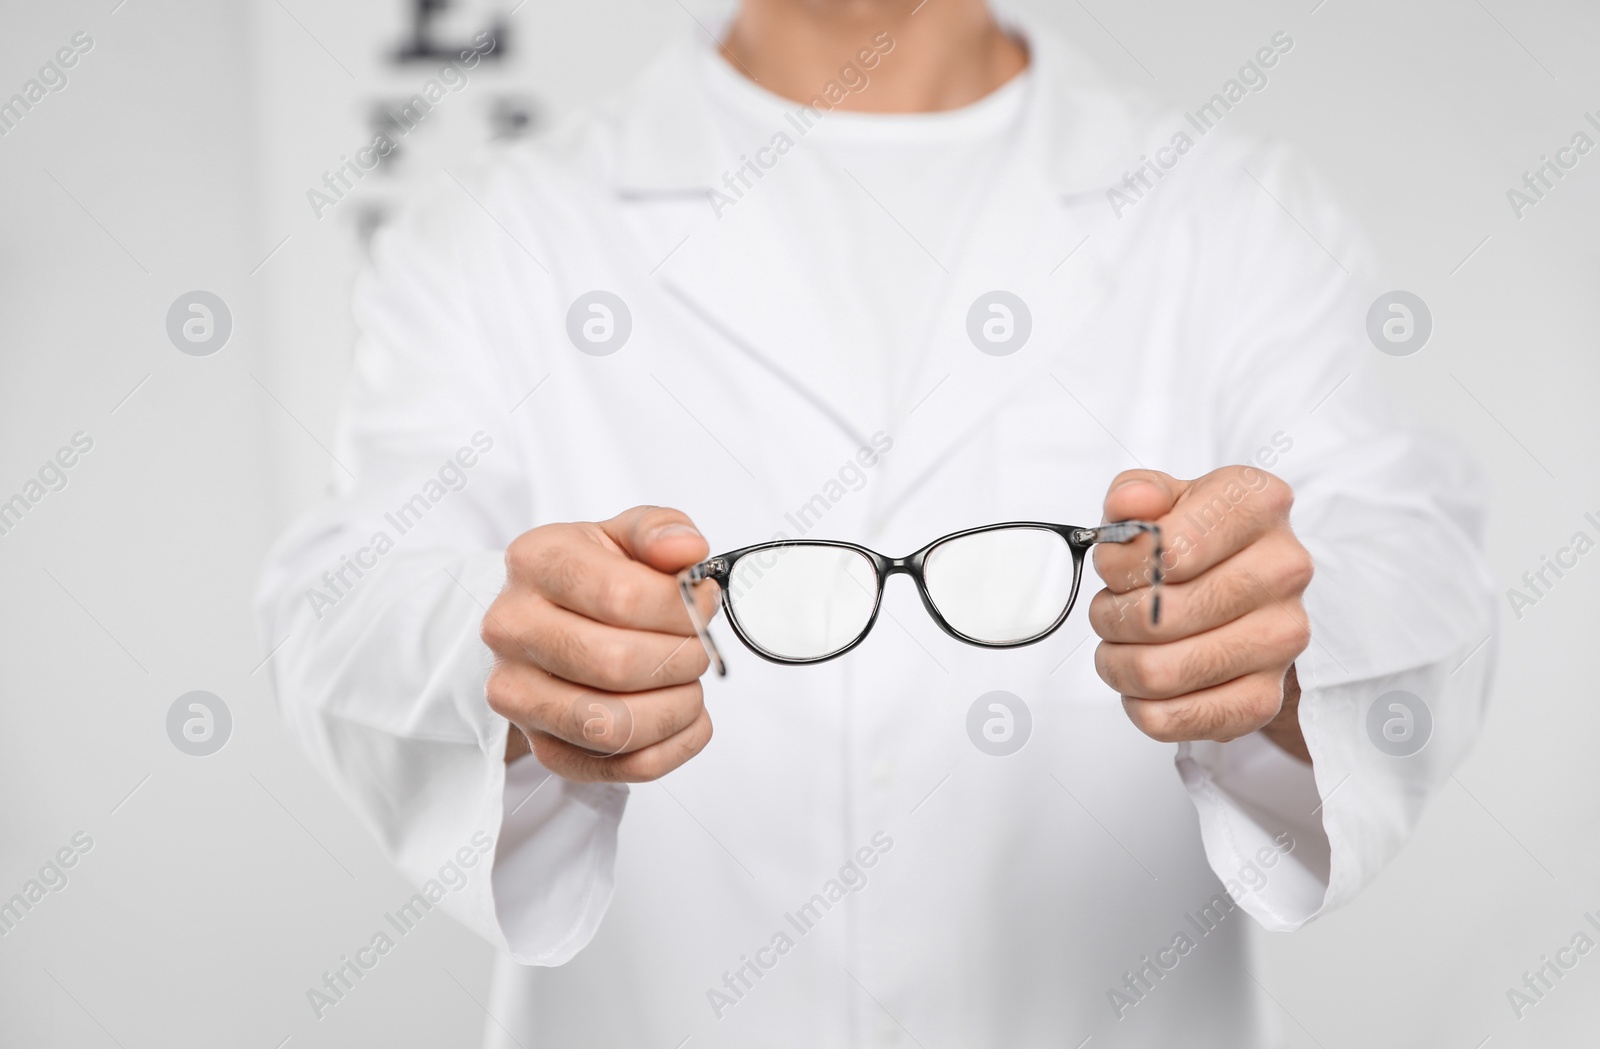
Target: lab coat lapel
x=729 y=268
x=737 y=274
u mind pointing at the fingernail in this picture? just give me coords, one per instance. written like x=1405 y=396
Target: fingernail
x=1132 y=480
x=667 y=531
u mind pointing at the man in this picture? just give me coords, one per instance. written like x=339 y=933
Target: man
x=878 y=272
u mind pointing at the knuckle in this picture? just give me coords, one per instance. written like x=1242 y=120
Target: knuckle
x=552 y=754
x=618 y=597
x=1293 y=631
x=525 y=552
x=700 y=659
x=1238 y=593
x=1116 y=567
x=1160 y=720
x=566 y=650
x=688 y=704
x=638 y=513
x=600 y=768
x=492 y=632
x=670 y=721
x=696 y=740
x=1138 y=711
x=653 y=517
x=517 y=555
x=1164 y=732
x=685 y=663
x=1179 y=723
x=581 y=721
x=1206 y=665
x=1103 y=614
x=610 y=663
x=501 y=693
x=556 y=571
x=1262 y=702
x=642 y=766
x=1106 y=665
x=601 y=725
x=1280 y=497
x=542 y=713
x=1190 y=721
x=1127 y=616
x=1136 y=676
x=605 y=675
x=1125 y=476
x=1236 y=597
x=1155 y=672
x=1298 y=569
x=1219 y=596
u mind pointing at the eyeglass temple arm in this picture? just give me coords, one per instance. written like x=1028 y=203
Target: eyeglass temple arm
x=687 y=580
x=1125 y=531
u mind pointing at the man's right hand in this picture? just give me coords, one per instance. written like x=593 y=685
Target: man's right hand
x=595 y=658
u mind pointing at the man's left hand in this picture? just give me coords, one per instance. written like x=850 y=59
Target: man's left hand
x=1220 y=663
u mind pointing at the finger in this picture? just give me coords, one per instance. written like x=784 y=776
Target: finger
x=639 y=766
x=1227 y=711
x=663 y=538
x=1142 y=495
x=1265 y=639
x=602 y=722
x=1212 y=519
x=582 y=569
x=585 y=652
x=1275 y=569
x=1135 y=495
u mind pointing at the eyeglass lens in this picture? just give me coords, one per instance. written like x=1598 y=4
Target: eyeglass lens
x=1002 y=586
x=801 y=601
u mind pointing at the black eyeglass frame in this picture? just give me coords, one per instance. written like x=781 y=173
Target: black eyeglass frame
x=719 y=569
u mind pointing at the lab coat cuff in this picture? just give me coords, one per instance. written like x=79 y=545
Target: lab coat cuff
x=1261 y=826
x=554 y=863
x=530 y=856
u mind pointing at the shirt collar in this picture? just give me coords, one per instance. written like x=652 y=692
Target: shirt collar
x=1079 y=128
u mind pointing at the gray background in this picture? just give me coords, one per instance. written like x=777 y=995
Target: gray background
x=219 y=888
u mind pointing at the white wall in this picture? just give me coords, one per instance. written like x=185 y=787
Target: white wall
x=177 y=158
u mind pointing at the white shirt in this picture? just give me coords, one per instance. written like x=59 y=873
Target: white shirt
x=879 y=201
x=1033 y=899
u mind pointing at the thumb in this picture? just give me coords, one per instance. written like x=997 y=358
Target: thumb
x=658 y=536
x=1142 y=495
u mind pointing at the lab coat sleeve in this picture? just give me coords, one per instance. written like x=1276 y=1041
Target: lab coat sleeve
x=373 y=604
x=1395 y=680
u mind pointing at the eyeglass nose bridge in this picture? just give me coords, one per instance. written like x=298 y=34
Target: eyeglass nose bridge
x=909 y=565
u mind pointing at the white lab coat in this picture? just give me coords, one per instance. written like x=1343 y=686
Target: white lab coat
x=1213 y=322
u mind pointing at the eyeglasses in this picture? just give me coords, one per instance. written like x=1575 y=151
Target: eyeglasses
x=998 y=586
